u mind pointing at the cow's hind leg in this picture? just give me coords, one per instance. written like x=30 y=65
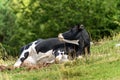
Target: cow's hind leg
x=87 y=50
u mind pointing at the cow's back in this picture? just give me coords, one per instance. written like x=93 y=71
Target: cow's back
x=47 y=45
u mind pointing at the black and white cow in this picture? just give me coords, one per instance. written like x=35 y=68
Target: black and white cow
x=37 y=51
x=79 y=36
x=44 y=51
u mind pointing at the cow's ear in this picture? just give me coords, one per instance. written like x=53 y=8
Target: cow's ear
x=80 y=27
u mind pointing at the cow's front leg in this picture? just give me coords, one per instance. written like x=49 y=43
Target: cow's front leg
x=21 y=59
x=79 y=53
x=88 y=50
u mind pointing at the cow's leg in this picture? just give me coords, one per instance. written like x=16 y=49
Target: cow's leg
x=79 y=53
x=21 y=59
x=81 y=48
x=88 y=50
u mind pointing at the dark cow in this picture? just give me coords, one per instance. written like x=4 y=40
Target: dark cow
x=79 y=36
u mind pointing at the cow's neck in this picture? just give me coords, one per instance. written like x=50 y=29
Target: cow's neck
x=71 y=41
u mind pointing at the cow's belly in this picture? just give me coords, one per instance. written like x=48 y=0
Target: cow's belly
x=40 y=58
x=47 y=57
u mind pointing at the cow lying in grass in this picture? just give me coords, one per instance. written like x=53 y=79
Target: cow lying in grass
x=37 y=50
x=40 y=51
x=52 y=49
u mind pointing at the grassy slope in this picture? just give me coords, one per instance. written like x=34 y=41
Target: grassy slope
x=103 y=64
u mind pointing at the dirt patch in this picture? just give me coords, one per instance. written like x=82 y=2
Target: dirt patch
x=25 y=66
x=2 y=68
x=38 y=66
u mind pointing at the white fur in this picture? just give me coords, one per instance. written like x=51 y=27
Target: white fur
x=31 y=60
x=35 y=58
x=61 y=58
x=47 y=57
x=61 y=38
x=31 y=51
x=80 y=57
x=117 y=45
x=41 y=58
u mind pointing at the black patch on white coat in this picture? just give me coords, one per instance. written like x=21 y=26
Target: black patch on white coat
x=67 y=48
x=22 y=59
x=58 y=51
x=25 y=56
x=27 y=46
x=22 y=49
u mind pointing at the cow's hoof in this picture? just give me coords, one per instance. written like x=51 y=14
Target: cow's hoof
x=79 y=57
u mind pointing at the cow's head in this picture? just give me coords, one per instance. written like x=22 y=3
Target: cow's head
x=72 y=35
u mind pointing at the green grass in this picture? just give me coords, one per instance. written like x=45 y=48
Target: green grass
x=103 y=64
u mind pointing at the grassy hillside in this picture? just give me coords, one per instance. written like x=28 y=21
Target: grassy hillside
x=103 y=64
